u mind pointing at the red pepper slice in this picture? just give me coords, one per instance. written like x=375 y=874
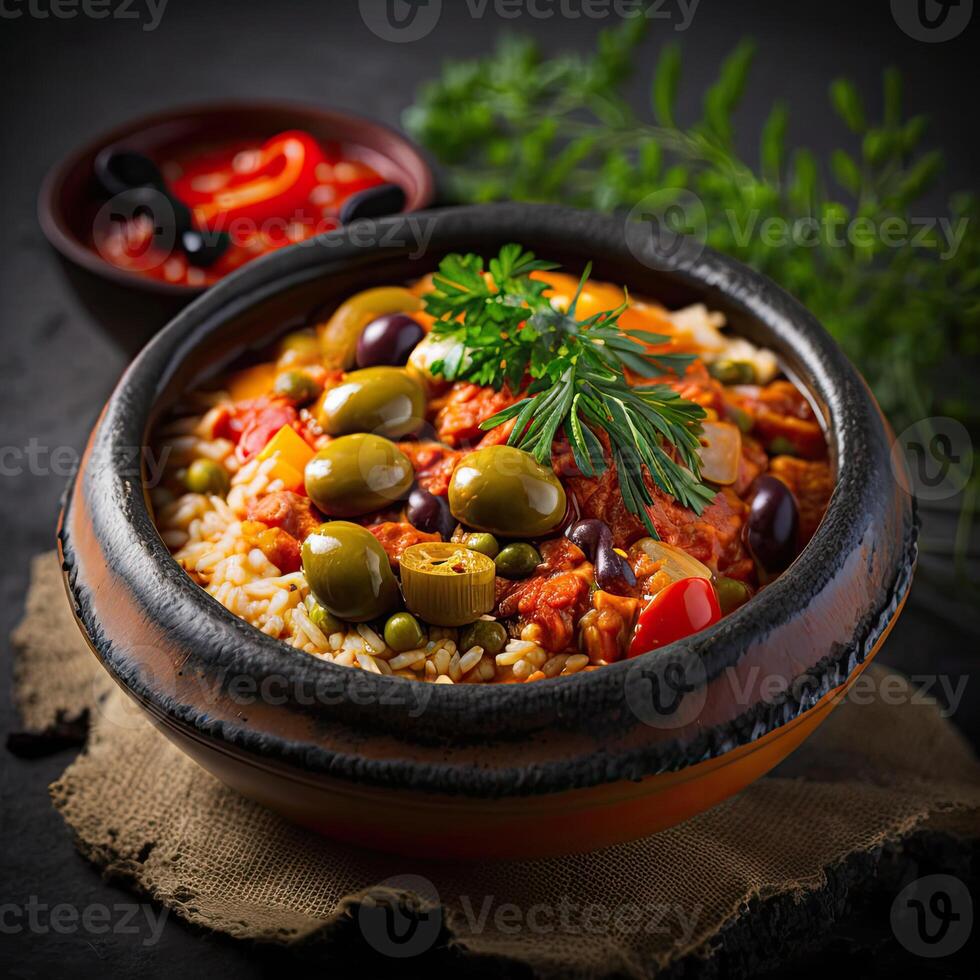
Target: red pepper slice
x=277 y=188
x=684 y=607
x=259 y=424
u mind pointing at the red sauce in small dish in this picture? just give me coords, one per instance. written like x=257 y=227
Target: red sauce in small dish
x=262 y=195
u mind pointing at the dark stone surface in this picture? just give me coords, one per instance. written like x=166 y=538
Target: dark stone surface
x=66 y=79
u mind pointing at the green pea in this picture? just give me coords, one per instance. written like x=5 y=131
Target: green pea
x=517 y=560
x=486 y=544
x=324 y=620
x=730 y=372
x=486 y=633
x=402 y=632
x=207 y=476
x=731 y=593
x=298 y=386
x=781 y=446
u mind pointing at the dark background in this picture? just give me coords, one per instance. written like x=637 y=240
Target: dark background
x=65 y=80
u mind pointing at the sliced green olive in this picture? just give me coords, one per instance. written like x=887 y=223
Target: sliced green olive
x=402 y=632
x=387 y=401
x=207 y=476
x=358 y=474
x=349 y=573
x=517 y=560
x=486 y=633
x=506 y=491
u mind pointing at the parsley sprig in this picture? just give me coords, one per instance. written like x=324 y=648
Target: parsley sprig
x=504 y=329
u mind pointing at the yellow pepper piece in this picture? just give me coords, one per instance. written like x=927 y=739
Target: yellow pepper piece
x=447 y=584
x=294 y=453
x=252 y=381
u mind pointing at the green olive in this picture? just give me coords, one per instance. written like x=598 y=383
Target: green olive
x=506 y=491
x=486 y=633
x=358 y=474
x=731 y=593
x=301 y=346
x=485 y=543
x=298 y=386
x=402 y=632
x=338 y=336
x=387 y=401
x=349 y=573
x=517 y=560
x=323 y=620
x=730 y=372
x=207 y=476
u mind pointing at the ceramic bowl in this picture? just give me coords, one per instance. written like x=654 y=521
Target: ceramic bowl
x=552 y=767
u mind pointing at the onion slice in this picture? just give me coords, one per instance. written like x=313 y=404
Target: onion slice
x=721 y=451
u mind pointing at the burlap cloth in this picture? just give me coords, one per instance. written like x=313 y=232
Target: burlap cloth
x=140 y=810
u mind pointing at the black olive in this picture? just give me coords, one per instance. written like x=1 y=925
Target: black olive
x=204 y=248
x=122 y=170
x=585 y=534
x=374 y=202
x=612 y=570
x=430 y=513
x=388 y=340
x=773 y=524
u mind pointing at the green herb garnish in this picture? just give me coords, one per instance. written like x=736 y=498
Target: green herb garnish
x=506 y=330
x=904 y=304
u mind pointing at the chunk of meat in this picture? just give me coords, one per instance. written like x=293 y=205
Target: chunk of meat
x=714 y=537
x=281 y=548
x=554 y=603
x=433 y=464
x=753 y=462
x=250 y=424
x=396 y=536
x=461 y=410
x=780 y=410
x=292 y=512
x=812 y=484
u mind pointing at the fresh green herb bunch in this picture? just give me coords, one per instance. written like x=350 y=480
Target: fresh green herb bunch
x=505 y=330
x=514 y=125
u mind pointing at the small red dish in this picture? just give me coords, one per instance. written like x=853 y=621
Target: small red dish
x=70 y=198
